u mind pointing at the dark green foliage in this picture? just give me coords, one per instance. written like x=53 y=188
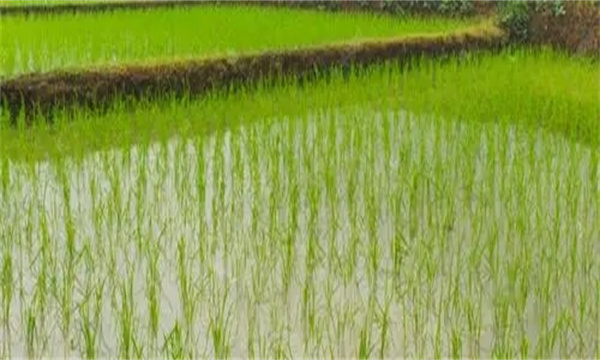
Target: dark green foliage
x=445 y=7
x=558 y=8
x=400 y=7
x=515 y=17
x=459 y=7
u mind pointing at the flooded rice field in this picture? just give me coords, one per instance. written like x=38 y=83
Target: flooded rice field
x=340 y=234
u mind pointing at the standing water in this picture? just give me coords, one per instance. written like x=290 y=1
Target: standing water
x=341 y=234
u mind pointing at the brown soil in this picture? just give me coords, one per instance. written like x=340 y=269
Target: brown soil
x=578 y=30
x=97 y=88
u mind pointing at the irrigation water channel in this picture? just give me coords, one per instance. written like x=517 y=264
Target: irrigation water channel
x=302 y=235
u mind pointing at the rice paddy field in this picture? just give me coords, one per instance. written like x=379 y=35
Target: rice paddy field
x=444 y=209
x=114 y=38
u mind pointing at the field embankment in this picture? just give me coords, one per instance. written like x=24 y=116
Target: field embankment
x=95 y=88
x=510 y=87
x=63 y=7
x=29 y=7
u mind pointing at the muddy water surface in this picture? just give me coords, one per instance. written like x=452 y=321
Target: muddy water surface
x=304 y=237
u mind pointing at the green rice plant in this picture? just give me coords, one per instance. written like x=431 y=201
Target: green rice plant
x=201 y=200
x=90 y=310
x=218 y=326
x=44 y=277
x=153 y=291
x=364 y=344
x=7 y=297
x=128 y=343
x=384 y=322
x=173 y=346
x=185 y=293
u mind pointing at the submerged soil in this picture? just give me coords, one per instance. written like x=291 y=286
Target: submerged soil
x=43 y=93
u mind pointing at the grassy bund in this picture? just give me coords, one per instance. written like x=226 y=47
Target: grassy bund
x=233 y=56
x=447 y=207
x=97 y=89
x=60 y=7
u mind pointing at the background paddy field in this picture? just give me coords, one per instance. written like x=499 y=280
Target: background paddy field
x=133 y=36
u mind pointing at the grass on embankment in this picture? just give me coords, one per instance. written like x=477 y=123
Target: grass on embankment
x=45 y=43
x=535 y=89
x=47 y=92
x=12 y=3
x=31 y=8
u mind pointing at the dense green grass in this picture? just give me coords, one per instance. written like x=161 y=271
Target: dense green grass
x=424 y=214
x=533 y=89
x=44 y=43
